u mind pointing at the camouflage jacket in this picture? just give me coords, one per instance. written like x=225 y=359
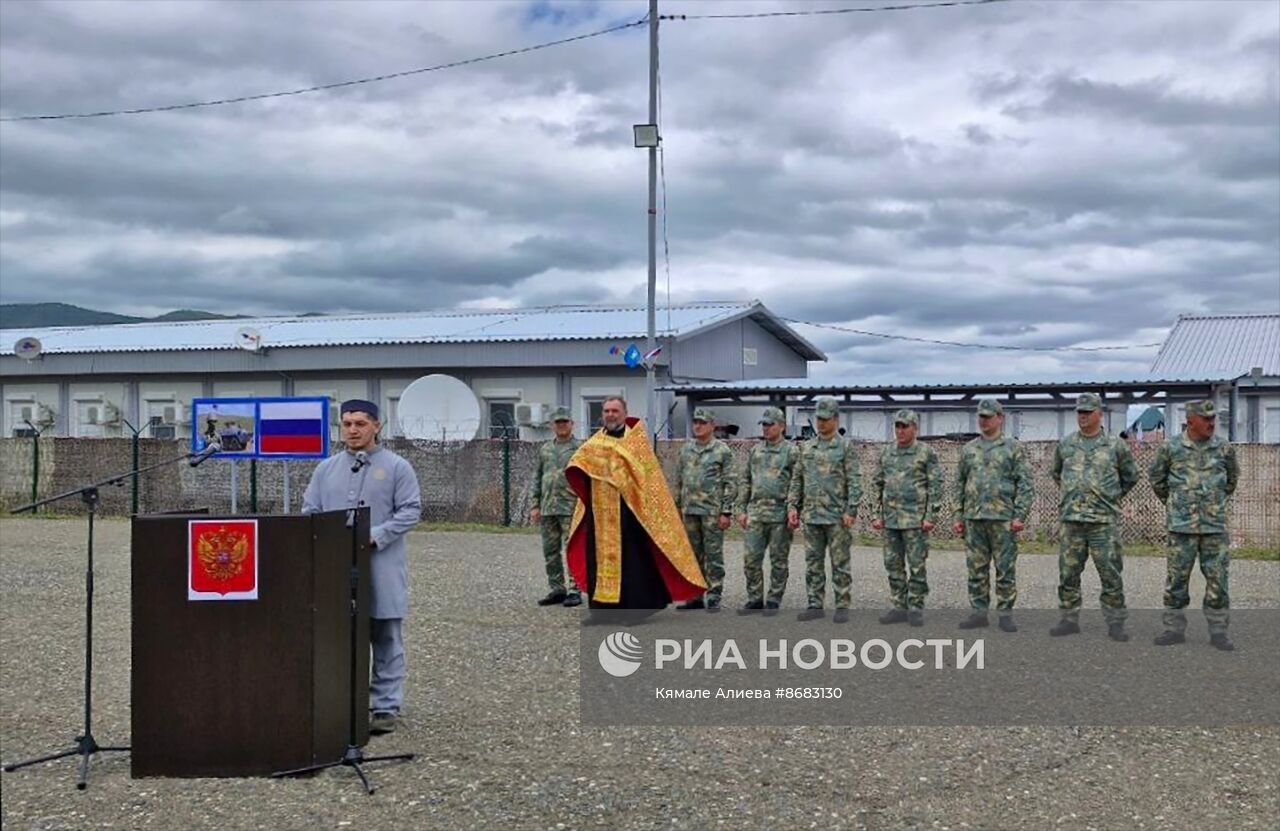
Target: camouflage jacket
x=907 y=487
x=827 y=481
x=706 y=481
x=766 y=481
x=1194 y=479
x=1094 y=475
x=994 y=481
x=551 y=491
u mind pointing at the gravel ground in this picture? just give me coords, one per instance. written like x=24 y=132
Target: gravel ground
x=492 y=709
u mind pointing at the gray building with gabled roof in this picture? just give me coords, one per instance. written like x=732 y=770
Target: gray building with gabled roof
x=1234 y=359
x=90 y=380
x=1240 y=351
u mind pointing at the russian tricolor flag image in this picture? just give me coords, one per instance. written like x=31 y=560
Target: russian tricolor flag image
x=287 y=428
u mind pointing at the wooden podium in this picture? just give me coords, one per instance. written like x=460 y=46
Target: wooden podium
x=247 y=687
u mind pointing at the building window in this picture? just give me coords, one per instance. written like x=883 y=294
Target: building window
x=595 y=414
x=163 y=416
x=502 y=420
x=20 y=413
x=88 y=418
x=391 y=418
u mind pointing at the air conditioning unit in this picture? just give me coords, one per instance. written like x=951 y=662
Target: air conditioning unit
x=47 y=415
x=529 y=414
x=110 y=415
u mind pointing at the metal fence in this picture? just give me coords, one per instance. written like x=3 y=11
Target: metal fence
x=489 y=481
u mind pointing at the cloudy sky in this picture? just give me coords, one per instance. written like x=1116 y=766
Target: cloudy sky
x=1033 y=174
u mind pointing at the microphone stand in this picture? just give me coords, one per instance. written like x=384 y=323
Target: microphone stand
x=353 y=757
x=85 y=745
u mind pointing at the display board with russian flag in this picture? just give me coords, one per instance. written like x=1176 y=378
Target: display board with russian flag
x=282 y=428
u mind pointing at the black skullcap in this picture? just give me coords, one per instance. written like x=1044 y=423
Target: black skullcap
x=357 y=405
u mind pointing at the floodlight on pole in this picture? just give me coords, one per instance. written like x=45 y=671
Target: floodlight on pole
x=646 y=135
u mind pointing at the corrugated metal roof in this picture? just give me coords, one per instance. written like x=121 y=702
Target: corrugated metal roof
x=817 y=386
x=1220 y=346
x=554 y=323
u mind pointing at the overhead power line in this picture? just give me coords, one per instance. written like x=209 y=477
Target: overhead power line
x=935 y=342
x=813 y=12
x=240 y=99
x=337 y=85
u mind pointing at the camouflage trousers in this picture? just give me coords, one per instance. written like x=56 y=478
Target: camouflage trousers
x=555 y=533
x=708 y=546
x=1215 y=558
x=818 y=540
x=905 y=552
x=1101 y=542
x=990 y=541
x=776 y=537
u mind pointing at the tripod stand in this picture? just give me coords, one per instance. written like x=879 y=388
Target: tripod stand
x=85 y=745
x=353 y=757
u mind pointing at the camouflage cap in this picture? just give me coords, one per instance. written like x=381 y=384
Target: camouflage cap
x=704 y=414
x=561 y=414
x=826 y=408
x=772 y=415
x=905 y=416
x=1204 y=408
x=989 y=407
x=1087 y=402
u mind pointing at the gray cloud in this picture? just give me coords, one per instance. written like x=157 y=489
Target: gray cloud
x=1029 y=173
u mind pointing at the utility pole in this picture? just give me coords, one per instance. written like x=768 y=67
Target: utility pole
x=651 y=408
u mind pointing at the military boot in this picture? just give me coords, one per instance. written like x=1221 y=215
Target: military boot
x=555 y=598
x=1066 y=626
x=1169 y=637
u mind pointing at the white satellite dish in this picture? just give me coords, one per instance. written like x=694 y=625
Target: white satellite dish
x=248 y=338
x=438 y=408
x=28 y=349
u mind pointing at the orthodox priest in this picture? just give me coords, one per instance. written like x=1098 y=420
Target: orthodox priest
x=627 y=545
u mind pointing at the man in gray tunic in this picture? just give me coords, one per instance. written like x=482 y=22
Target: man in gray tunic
x=367 y=474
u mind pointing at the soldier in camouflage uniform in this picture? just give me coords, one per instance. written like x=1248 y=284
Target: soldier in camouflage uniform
x=705 y=489
x=825 y=489
x=907 y=495
x=1193 y=474
x=994 y=492
x=1094 y=471
x=762 y=512
x=553 y=504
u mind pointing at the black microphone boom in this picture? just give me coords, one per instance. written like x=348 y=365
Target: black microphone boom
x=209 y=450
x=362 y=459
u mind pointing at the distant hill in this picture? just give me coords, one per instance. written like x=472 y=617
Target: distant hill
x=39 y=315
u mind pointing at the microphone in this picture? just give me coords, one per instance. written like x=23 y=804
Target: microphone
x=362 y=459
x=209 y=449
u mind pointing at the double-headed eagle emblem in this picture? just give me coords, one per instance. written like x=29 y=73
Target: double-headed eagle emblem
x=222 y=553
